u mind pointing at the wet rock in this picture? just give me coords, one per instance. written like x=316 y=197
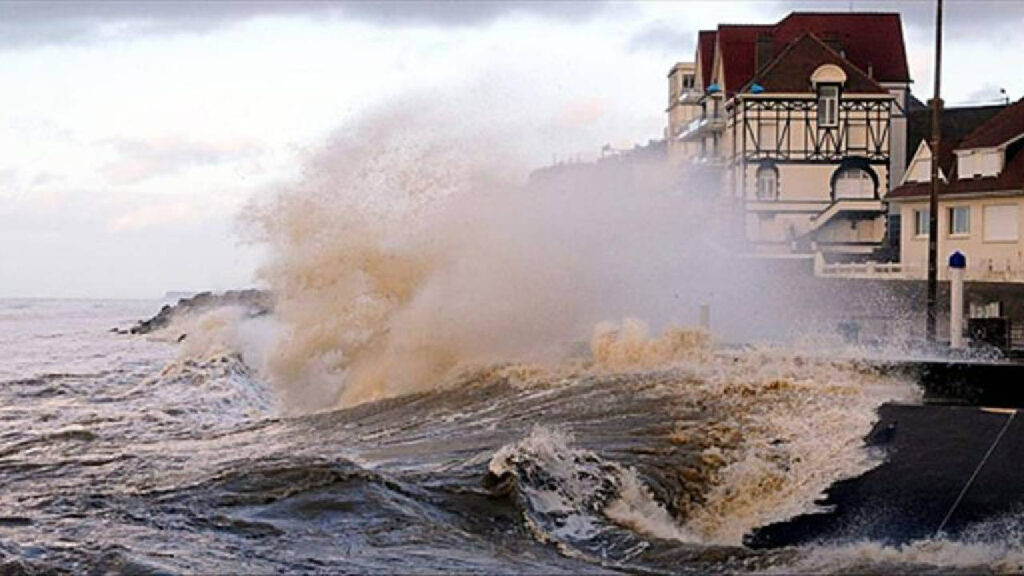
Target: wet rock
x=258 y=302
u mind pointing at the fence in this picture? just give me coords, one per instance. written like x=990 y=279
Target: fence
x=869 y=270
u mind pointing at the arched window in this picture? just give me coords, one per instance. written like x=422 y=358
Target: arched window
x=767 y=183
x=853 y=183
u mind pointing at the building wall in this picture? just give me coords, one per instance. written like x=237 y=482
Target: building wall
x=680 y=152
x=680 y=114
x=805 y=183
x=767 y=128
x=804 y=190
x=986 y=260
x=898 y=132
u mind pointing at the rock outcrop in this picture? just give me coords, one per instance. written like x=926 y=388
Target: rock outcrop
x=258 y=302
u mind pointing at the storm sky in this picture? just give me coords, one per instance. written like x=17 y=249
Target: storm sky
x=132 y=133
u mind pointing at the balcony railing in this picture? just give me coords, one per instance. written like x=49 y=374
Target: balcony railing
x=690 y=97
x=698 y=128
x=689 y=132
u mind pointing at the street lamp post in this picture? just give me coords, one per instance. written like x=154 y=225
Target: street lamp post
x=933 y=200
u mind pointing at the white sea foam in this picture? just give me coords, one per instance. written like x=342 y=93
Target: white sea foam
x=574 y=494
x=994 y=546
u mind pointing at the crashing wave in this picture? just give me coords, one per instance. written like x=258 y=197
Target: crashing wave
x=575 y=498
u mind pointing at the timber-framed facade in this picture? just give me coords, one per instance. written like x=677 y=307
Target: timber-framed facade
x=801 y=121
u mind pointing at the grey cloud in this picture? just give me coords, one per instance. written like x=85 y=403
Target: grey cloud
x=41 y=22
x=988 y=93
x=662 y=37
x=24 y=23
x=464 y=12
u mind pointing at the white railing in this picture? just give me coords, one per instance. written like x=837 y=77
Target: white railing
x=690 y=97
x=701 y=126
x=689 y=130
x=910 y=271
x=995 y=270
x=874 y=270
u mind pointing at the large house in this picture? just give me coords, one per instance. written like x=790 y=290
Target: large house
x=803 y=122
x=981 y=198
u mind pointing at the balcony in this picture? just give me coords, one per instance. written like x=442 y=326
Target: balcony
x=690 y=97
x=701 y=127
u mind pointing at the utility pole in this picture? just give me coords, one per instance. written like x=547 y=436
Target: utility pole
x=933 y=201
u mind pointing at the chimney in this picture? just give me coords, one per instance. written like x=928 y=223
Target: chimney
x=763 y=54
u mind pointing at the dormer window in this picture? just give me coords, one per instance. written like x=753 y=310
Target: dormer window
x=981 y=163
x=828 y=105
x=827 y=79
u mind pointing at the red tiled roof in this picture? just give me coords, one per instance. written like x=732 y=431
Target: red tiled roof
x=956 y=122
x=791 y=70
x=706 y=45
x=738 y=44
x=871 y=41
x=1000 y=129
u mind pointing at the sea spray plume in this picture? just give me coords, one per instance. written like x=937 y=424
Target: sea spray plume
x=629 y=346
x=411 y=247
x=346 y=255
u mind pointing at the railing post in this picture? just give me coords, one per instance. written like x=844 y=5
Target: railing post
x=957 y=264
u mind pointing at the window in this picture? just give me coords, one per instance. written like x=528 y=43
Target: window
x=959 y=220
x=969 y=165
x=767 y=183
x=921 y=222
x=687 y=81
x=828 y=105
x=1000 y=223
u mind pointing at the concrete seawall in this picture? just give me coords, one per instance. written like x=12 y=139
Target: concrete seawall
x=950 y=463
x=931 y=454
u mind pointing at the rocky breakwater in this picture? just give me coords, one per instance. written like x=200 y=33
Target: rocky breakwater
x=257 y=302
